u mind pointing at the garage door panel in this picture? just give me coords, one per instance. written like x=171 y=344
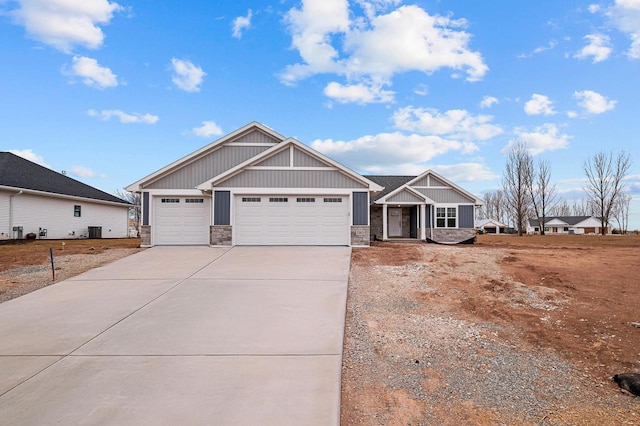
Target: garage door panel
x=300 y=220
x=181 y=220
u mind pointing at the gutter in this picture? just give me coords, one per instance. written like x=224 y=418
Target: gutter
x=11 y=212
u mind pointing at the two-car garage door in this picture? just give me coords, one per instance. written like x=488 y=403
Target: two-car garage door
x=291 y=220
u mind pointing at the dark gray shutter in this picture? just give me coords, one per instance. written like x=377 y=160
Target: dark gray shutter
x=222 y=208
x=145 y=208
x=361 y=208
x=466 y=217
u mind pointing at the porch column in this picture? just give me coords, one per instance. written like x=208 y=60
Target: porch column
x=423 y=222
x=385 y=232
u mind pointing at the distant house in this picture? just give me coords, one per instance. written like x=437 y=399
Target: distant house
x=490 y=226
x=567 y=225
x=35 y=199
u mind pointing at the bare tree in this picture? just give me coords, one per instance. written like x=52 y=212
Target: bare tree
x=621 y=212
x=541 y=191
x=582 y=208
x=135 y=210
x=605 y=176
x=562 y=208
x=515 y=184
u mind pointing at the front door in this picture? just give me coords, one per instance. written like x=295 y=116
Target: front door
x=395 y=222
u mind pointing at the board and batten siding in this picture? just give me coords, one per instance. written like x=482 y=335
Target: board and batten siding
x=222 y=208
x=290 y=179
x=405 y=197
x=429 y=181
x=257 y=137
x=361 y=208
x=5 y=230
x=302 y=159
x=145 y=208
x=207 y=167
x=445 y=195
x=281 y=159
x=466 y=217
x=56 y=215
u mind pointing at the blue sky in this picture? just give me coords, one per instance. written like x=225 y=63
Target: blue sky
x=112 y=91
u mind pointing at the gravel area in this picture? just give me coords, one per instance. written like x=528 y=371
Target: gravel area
x=412 y=356
x=21 y=280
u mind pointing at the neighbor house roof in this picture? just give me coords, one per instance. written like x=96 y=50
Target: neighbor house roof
x=16 y=172
x=569 y=220
x=479 y=223
x=390 y=183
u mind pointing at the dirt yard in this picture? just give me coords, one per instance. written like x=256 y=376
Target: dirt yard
x=510 y=330
x=25 y=266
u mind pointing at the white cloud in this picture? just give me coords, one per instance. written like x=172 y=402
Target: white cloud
x=357 y=93
x=187 y=76
x=241 y=23
x=572 y=114
x=465 y=172
x=370 y=50
x=543 y=138
x=421 y=90
x=91 y=73
x=207 y=129
x=598 y=47
x=594 y=8
x=539 y=104
x=456 y=123
x=388 y=151
x=84 y=172
x=65 y=23
x=135 y=117
x=488 y=102
x=594 y=102
x=28 y=154
x=625 y=15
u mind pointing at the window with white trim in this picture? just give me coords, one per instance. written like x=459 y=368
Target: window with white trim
x=278 y=200
x=77 y=211
x=251 y=199
x=446 y=217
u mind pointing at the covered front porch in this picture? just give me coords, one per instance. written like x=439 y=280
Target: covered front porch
x=401 y=222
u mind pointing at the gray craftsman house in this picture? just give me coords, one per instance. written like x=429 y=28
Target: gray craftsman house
x=257 y=187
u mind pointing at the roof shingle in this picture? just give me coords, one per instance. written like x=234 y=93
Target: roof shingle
x=19 y=173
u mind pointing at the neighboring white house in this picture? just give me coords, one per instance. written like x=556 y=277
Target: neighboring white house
x=257 y=187
x=35 y=199
x=567 y=225
x=490 y=226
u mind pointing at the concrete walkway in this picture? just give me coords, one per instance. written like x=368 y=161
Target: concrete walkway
x=181 y=335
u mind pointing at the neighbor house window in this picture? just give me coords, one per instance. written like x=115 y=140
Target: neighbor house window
x=446 y=217
x=77 y=210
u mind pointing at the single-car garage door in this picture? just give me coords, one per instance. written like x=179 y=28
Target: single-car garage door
x=291 y=220
x=181 y=220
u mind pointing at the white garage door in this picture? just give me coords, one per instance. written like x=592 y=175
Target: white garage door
x=181 y=220
x=291 y=220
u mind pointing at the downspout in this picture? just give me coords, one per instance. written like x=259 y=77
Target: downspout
x=11 y=212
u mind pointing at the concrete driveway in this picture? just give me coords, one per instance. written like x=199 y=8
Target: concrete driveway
x=181 y=335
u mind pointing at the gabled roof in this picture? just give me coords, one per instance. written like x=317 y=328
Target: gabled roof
x=569 y=220
x=483 y=222
x=395 y=184
x=16 y=172
x=389 y=183
x=277 y=148
x=254 y=125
